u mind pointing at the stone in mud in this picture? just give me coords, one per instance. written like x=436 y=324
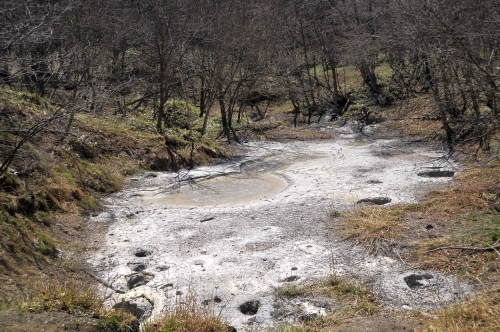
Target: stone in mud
x=120 y=285
x=166 y=285
x=436 y=173
x=215 y=299
x=162 y=267
x=290 y=279
x=139 y=307
x=137 y=267
x=139 y=279
x=375 y=200
x=150 y=175
x=142 y=253
x=416 y=280
x=250 y=308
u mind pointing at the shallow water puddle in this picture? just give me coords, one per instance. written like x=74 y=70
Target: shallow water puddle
x=219 y=190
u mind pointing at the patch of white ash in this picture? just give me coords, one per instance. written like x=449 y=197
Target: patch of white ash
x=232 y=233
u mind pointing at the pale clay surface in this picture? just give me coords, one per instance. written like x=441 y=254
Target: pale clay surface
x=269 y=220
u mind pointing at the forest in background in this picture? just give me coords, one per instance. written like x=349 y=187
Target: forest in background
x=230 y=56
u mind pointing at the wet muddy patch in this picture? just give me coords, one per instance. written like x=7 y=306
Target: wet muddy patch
x=218 y=190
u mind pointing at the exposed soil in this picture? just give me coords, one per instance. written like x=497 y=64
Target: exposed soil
x=47 y=321
x=238 y=230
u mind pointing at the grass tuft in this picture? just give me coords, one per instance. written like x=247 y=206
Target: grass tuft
x=372 y=225
x=356 y=298
x=188 y=316
x=479 y=314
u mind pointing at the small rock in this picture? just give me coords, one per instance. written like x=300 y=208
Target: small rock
x=217 y=299
x=375 y=200
x=406 y=307
x=207 y=219
x=142 y=253
x=290 y=279
x=137 y=267
x=59 y=253
x=203 y=252
x=250 y=308
x=139 y=279
x=436 y=173
x=162 y=267
x=139 y=307
x=295 y=268
x=413 y=280
x=167 y=285
x=429 y=227
x=150 y=175
x=120 y=285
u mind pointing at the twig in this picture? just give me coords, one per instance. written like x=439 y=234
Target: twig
x=467 y=248
x=101 y=281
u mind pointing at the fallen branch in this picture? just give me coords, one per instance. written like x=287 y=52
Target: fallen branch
x=466 y=248
x=101 y=281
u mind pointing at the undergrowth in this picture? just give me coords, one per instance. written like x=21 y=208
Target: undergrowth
x=351 y=299
x=188 y=316
x=481 y=313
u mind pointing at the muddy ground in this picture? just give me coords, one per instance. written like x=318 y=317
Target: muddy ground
x=231 y=234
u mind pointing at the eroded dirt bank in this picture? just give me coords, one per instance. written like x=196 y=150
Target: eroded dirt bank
x=232 y=233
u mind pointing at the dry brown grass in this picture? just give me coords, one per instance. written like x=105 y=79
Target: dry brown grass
x=415 y=117
x=72 y=296
x=479 y=314
x=466 y=214
x=373 y=225
x=349 y=298
x=189 y=316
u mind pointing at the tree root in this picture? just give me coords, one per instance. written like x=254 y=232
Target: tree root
x=491 y=248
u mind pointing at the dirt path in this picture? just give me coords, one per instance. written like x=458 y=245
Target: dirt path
x=232 y=233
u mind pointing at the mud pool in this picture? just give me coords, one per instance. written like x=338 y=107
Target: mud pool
x=231 y=233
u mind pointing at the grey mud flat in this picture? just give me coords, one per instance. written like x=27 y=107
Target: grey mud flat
x=231 y=233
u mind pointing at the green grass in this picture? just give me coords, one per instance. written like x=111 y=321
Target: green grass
x=357 y=299
x=483 y=229
x=45 y=244
x=291 y=291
